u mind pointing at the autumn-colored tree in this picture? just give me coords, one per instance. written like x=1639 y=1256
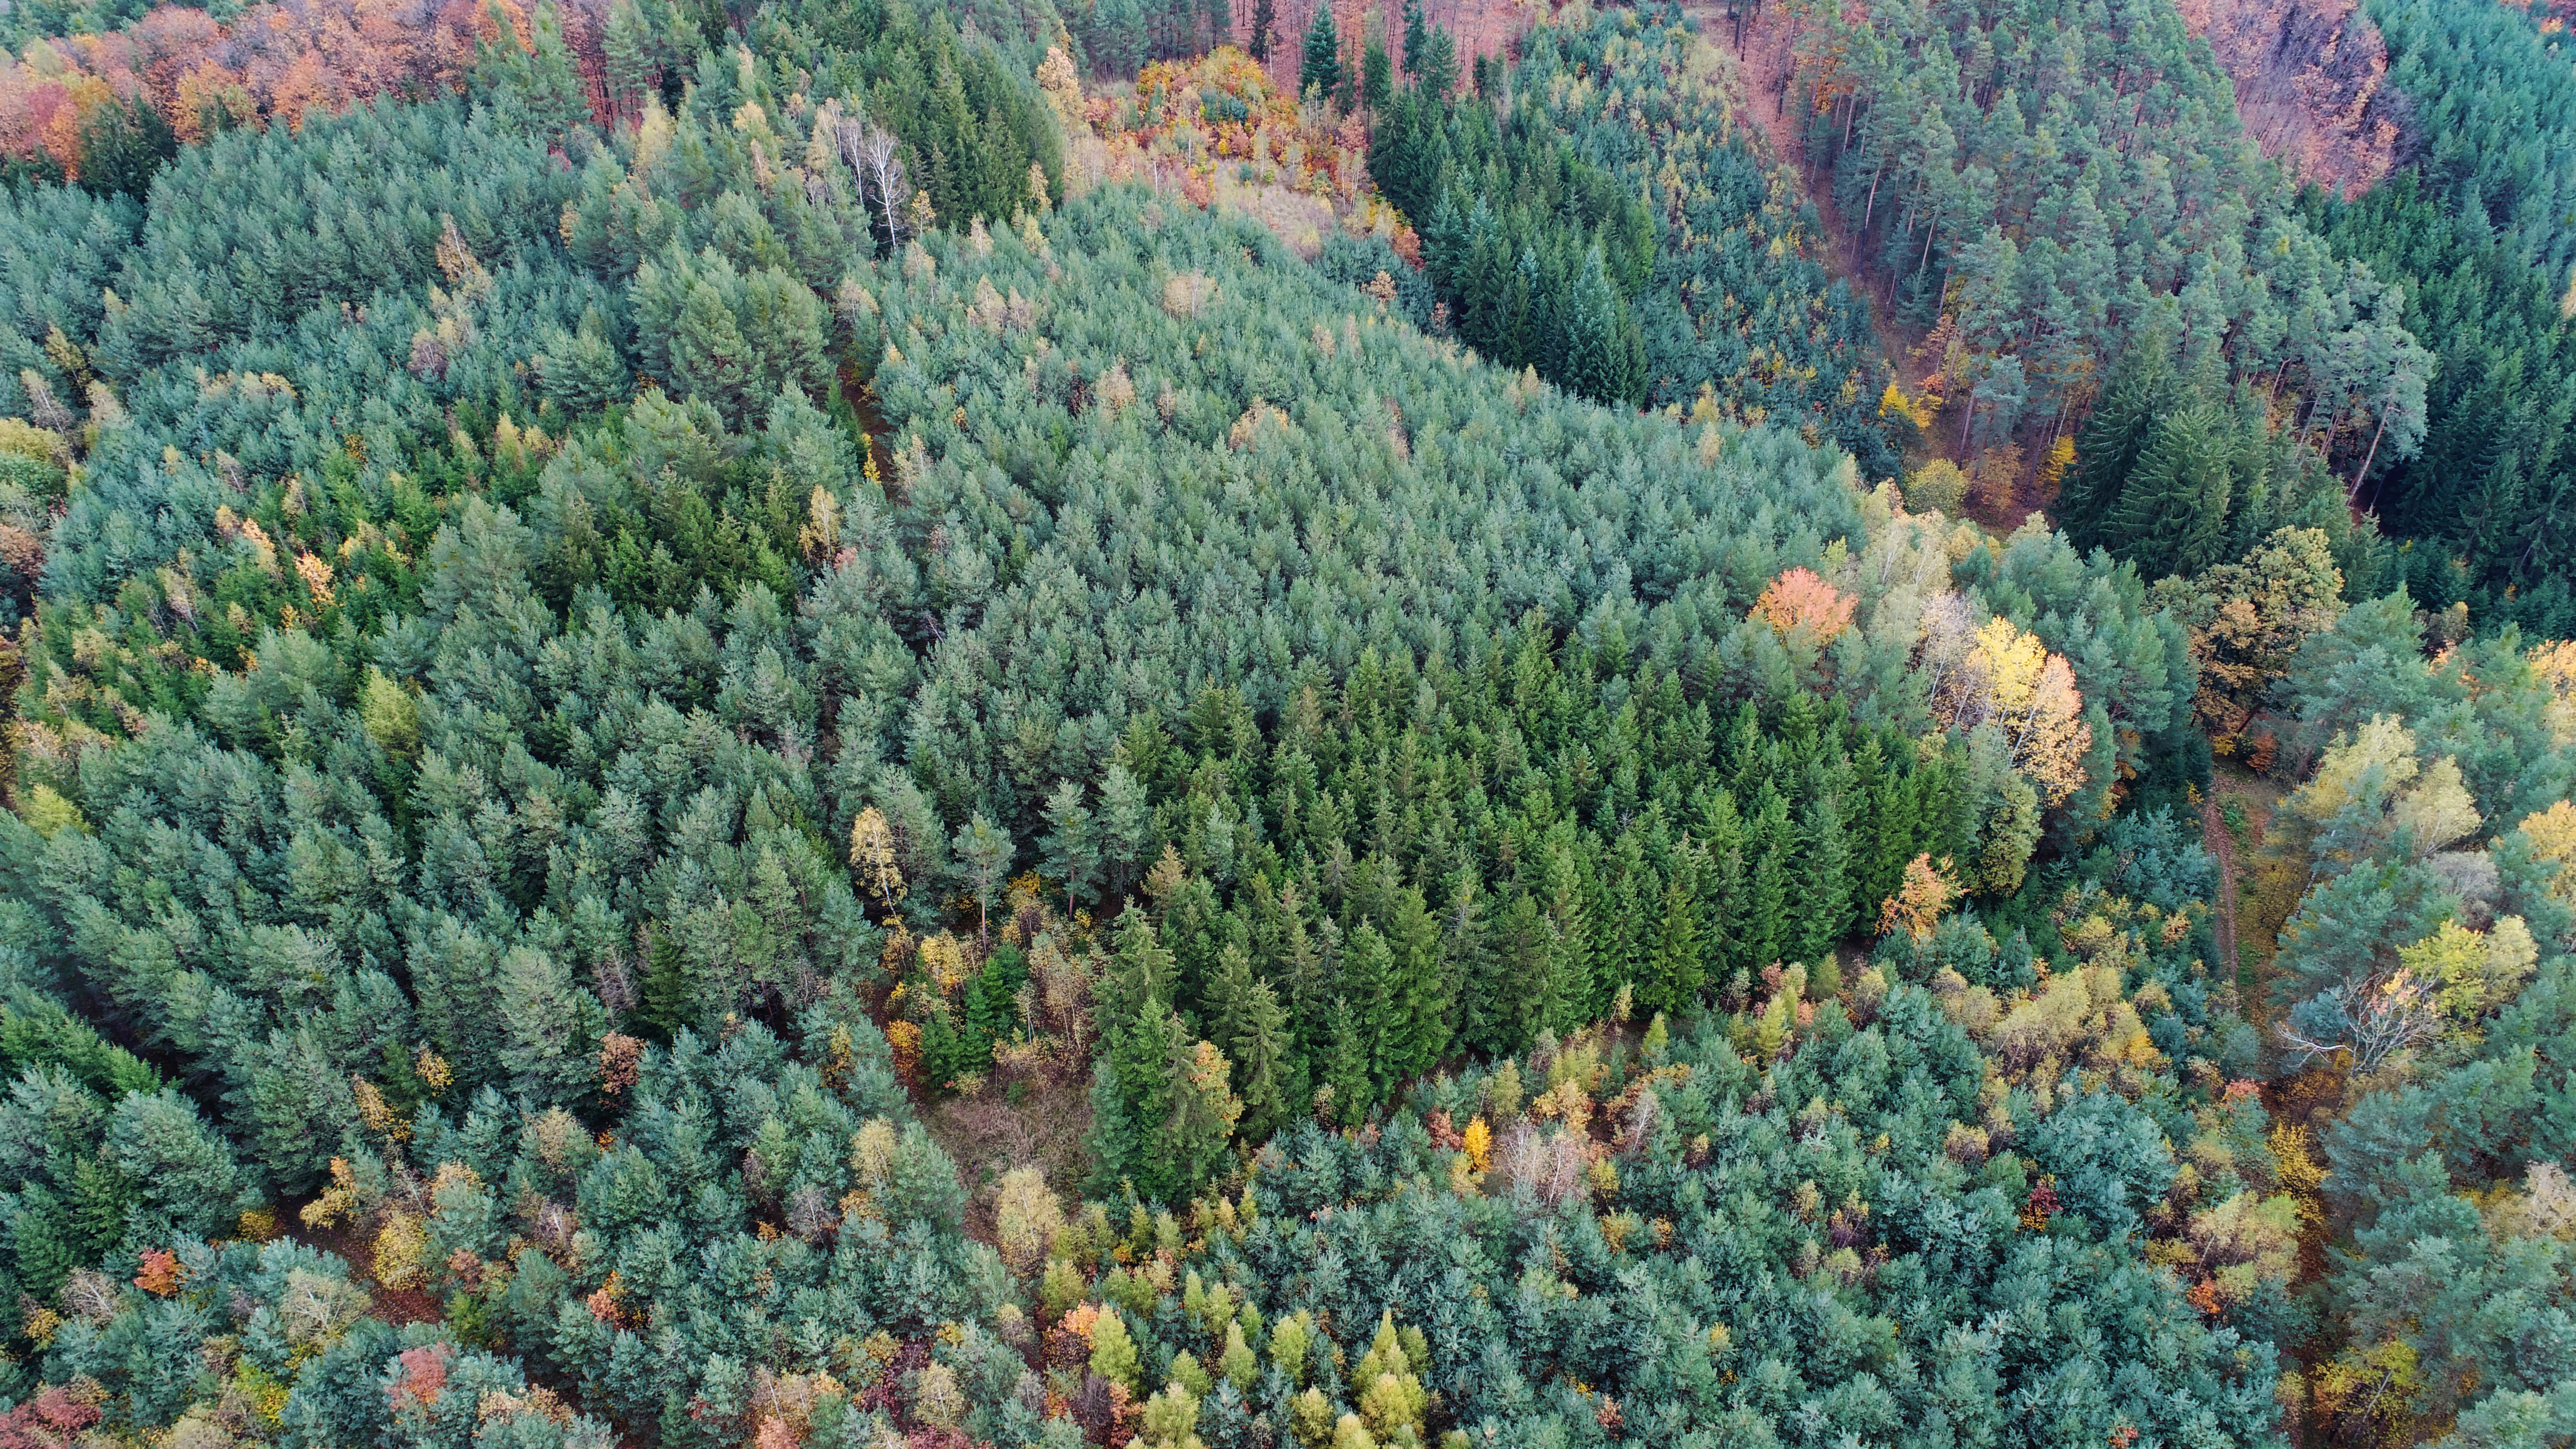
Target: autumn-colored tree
x=1026 y=1218
x=2247 y=620
x=872 y=859
x=2552 y=837
x=1804 y=607
x=2007 y=678
x=1916 y=907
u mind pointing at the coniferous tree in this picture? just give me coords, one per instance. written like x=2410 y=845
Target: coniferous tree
x=1320 y=70
x=1245 y=1018
x=1771 y=838
x=1677 y=970
x=1377 y=81
x=2118 y=430
x=1265 y=23
x=1823 y=892
x=2172 y=511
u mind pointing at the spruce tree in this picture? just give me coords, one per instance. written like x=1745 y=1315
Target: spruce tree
x=1371 y=995
x=1772 y=842
x=1245 y=1020
x=1415 y=34
x=2171 y=515
x=1677 y=970
x=1824 y=881
x=1438 y=68
x=1422 y=978
x=2106 y=451
x=1568 y=898
x=1321 y=70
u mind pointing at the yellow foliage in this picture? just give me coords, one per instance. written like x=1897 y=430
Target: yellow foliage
x=2552 y=835
x=872 y=858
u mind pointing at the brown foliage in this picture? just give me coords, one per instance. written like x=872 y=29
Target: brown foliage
x=2310 y=84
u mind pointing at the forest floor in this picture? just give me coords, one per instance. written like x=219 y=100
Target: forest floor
x=1030 y=1120
x=2222 y=844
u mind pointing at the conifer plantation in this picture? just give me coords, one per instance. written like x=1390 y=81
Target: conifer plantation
x=957 y=724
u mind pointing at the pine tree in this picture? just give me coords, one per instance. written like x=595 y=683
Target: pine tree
x=1070 y=849
x=1415 y=33
x=1321 y=71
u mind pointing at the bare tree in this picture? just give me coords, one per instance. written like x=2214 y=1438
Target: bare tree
x=2378 y=1018
x=870 y=150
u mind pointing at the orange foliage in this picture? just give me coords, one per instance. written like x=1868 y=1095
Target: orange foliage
x=1800 y=604
x=161 y=1275
x=279 y=61
x=1194 y=120
x=1916 y=908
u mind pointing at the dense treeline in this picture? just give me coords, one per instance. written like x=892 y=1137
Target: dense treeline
x=1739 y=307
x=601 y=675
x=512 y=787
x=1615 y=136
x=2493 y=107
x=2478 y=228
x=1539 y=255
x=2178 y=472
x=2052 y=185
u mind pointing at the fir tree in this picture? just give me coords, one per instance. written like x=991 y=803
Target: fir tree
x=1321 y=70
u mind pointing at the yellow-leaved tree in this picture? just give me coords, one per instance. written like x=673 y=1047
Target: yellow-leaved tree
x=2007 y=678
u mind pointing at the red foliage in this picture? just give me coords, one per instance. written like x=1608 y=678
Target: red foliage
x=424 y=1375
x=51 y=1420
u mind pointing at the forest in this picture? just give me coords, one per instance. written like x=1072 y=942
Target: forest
x=865 y=723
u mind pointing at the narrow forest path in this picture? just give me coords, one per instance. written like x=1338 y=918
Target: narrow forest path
x=2221 y=843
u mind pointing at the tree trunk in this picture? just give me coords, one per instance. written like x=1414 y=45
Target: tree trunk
x=2373 y=452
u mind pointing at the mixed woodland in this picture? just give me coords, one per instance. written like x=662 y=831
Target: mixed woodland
x=876 y=724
